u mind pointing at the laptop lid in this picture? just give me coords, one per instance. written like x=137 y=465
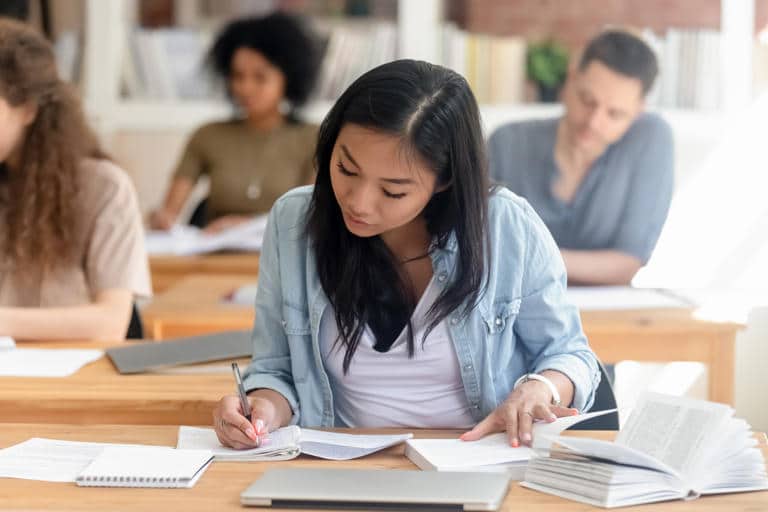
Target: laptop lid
x=140 y=357
x=377 y=489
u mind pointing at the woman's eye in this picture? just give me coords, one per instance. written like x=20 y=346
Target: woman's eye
x=394 y=196
x=344 y=171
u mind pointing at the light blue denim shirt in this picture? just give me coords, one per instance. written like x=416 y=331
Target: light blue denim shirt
x=522 y=323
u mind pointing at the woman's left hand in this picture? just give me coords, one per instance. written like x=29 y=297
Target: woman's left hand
x=530 y=401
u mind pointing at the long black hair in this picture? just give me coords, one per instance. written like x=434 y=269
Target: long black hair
x=432 y=110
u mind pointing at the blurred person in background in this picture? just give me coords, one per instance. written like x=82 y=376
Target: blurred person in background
x=270 y=65
x=600 y=176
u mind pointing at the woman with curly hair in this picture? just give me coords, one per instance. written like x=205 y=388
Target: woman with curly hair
x=270 y=65
x=71 y=249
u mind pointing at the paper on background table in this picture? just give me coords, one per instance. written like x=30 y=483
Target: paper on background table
x=49 y=460
x=188 y=240
x=43 y=362
x=599 y=298
x=326 y=445
x=6 y=342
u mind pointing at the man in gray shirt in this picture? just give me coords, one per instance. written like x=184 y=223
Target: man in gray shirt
x=601 y=176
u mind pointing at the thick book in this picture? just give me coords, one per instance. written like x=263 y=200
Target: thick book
x=491 y=453
x=288 y=442
x=145 y=466
x=671 y=448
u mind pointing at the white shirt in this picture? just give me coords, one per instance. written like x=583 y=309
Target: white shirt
x=390 y=389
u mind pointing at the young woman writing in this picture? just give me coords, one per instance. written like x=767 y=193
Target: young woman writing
x=400 y=291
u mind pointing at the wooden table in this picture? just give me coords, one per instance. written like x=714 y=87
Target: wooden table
x=667 y=335
x=166 y=270
x=194 y=306
x=220 y=487
x=99 y=394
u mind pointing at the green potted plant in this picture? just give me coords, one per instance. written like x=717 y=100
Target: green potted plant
x=547 y=67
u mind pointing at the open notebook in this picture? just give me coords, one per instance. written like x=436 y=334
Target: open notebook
x=288 y=442
x=145 y=466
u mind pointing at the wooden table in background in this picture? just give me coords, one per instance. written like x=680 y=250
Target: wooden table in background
x=99 y=394
x=194 y=306
x=167 y=270
x=220 y=487
x=667 y=335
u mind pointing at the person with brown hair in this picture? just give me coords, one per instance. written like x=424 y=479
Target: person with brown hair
x=72 y=254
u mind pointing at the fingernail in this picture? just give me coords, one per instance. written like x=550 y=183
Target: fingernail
x=259 y=425
x=250 y=432
x=552 y=417
x=257 y=439
x=515 y=443
x=526 y=437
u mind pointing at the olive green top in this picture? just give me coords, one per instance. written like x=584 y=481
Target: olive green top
x=249 y=169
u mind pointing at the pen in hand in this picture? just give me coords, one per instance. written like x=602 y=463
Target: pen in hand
x=245 y=405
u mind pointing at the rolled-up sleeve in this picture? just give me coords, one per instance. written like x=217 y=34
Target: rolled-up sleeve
x=271 y=364
x=548 y=326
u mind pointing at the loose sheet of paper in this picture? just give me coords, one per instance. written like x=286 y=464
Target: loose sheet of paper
x=40 y=362
x=493 y=449
x=49 y=460
x=7 y=343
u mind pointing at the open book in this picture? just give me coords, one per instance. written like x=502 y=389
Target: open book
x=491 y=453
x=670 y=448
x=288 y=442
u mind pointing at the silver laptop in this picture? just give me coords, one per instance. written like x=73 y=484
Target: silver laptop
x=376 y=489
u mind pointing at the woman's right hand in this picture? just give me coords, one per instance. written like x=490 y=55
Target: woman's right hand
x=161 y=219
x=234 y=430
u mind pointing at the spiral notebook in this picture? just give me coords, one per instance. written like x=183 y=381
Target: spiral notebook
x=145 y=466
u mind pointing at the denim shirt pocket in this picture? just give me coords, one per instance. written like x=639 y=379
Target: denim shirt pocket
x=298 y=332
x=500 y=314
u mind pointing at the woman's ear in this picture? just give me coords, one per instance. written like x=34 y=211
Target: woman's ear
x=29 y=113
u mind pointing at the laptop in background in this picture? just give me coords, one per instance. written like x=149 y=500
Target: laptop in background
x=143 y=357
x=376 y=489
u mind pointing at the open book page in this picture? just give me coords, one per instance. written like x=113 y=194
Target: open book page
x=675 y=430
x=283 y=444
x=50 y=460
x=288 y=442
x=188 y=240
x=338 y=446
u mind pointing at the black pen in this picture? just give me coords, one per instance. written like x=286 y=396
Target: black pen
x=244 y=403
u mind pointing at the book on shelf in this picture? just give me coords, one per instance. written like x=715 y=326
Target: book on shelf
x=671 y=448
x=288 y=442
x=492 y=453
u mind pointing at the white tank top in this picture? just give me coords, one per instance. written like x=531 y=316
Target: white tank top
x=390 y=389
